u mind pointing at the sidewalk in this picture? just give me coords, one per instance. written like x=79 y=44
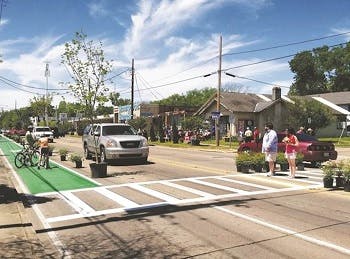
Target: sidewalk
x=17 y=236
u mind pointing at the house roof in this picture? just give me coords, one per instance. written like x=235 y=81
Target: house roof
x=240 y=102
x=337 y=98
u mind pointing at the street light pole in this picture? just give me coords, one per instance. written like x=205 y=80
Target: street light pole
x=47 y=74
x=218 y=102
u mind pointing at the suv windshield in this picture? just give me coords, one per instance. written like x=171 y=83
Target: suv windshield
x=43 y=129
x=118 y=130
x=306 y=137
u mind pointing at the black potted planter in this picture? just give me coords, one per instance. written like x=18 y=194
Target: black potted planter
x=339 y=181
x=284 y=167
x=328 y=182
x=63 y=158
x=347 y=186
x=78 y=164
x=300 y=167
x=98 y=170
x=258 y=168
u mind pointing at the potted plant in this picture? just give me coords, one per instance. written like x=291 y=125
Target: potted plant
x=63 y=154
x=339 y=179
x=328 y=169
x=89 y=69
x=282 y=161
x=77 y=159
x=346 y=175
x=244 y=162
x=259 y=161
x=299 y=162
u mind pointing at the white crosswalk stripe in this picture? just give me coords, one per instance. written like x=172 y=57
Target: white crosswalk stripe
x=178 y=185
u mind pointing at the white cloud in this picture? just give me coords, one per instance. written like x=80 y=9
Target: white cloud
x=97 y=9
x=3 y=22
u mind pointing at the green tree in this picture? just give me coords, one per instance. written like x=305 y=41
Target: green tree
x=191 y=98
x=303 y=110
x=138 y=123
x=321 y=70
x=192 y=122
x=117 y=101
x=38 y=104
x=88 y=68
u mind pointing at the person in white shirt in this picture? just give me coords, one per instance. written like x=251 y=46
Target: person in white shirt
x=269 y=147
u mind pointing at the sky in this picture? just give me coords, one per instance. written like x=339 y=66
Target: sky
x=173 y=43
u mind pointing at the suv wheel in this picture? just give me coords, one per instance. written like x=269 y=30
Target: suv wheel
x=103 y=155
x=87 y=154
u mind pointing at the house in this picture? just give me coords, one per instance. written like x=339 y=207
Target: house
x=339 y=103
x=241 y=110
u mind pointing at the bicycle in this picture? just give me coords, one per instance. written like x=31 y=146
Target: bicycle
x=28 y=156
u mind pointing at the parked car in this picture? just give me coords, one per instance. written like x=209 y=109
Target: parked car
x=313 y=150
x=43 y=131
x=115 y=141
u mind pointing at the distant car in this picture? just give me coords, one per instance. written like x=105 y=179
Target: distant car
x=115 y=141
x=314 y=151
x=42 y=131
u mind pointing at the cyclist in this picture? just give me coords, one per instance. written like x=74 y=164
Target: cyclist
x=44 y=152
x=29 y=138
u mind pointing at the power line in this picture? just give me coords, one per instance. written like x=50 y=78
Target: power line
x=287 y=44
x=258 y=81
x=272 y=59
x=32 y=87
x=18 y=88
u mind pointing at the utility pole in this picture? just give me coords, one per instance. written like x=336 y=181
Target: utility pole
x=47 y=74
x=218 y=93
x=132 y=88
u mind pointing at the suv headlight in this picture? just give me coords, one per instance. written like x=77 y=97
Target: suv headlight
x=111 y=143
x=144 y=142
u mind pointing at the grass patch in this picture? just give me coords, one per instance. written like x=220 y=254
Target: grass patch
x=338 y=142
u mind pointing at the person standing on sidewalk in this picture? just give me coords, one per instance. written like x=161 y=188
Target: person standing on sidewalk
x=269 y=147
x=291 y=142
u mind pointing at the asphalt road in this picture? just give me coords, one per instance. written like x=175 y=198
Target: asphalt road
x=187 y=203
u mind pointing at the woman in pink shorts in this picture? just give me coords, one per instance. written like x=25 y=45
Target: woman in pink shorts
x=291 y=142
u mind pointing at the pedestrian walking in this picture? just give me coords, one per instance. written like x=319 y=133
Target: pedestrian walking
x=248 y=135
x=269 y=147
x=292 y=143
x=256 y=135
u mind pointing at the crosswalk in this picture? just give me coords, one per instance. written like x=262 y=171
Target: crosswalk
x=129 y=197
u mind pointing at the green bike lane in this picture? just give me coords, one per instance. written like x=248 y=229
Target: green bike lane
x=55 y=179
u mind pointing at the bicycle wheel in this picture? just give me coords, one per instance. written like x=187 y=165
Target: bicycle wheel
x=20 y=160
x=35 y=157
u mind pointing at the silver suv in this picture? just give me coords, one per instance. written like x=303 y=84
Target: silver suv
x=115 y=141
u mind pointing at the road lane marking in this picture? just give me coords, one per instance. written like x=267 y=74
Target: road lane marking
x=160 y=195
x=116 y=197
x=77 y=204
x=173 y=201
x=188 y=189
x=288 y=231
x=246 y=183
x=217 y=186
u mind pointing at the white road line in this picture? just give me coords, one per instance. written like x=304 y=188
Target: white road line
x=319 y=242
x=76 y=203
x=154 y=193
x=188 y=189
x=117 y=198
x=178 y=202
x=246 y=183
x=226 y=188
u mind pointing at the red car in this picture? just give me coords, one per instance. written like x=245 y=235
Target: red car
x=314 y=151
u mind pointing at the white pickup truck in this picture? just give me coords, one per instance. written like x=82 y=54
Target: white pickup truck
x=43 y=131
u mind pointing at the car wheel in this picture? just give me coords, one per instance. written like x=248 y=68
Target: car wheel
x=103 y=155
x=246 y=150
x=87 y=154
